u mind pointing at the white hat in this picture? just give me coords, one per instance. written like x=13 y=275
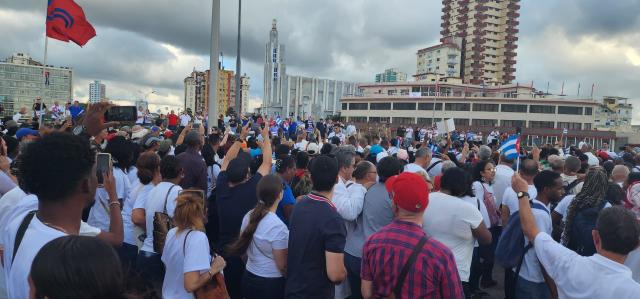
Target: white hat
x=381 y=155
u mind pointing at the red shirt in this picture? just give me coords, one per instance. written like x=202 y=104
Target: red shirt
x=173 y=119
x=434 y=274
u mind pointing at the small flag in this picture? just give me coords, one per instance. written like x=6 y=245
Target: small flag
x=510 y=148
x=66 y=21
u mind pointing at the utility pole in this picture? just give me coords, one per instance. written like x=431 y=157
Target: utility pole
x=212 y=118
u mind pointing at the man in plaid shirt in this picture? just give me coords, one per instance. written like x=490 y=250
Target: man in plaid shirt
x=385 y=254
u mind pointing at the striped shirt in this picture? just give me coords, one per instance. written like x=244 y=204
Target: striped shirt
x=434 y=274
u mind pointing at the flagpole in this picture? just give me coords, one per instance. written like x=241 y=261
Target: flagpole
x=44 y=79
x=212 y=119
x=238 y=78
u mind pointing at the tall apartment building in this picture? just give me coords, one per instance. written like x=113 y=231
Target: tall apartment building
x=488 y=29
x=614 y=114
x=274 y=70
x=97 y=91
x=22 y=80
x=197 y=88
x=196 y=91
x=391 y=75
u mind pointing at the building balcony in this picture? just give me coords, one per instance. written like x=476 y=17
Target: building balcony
x=478 y=49
x=463 y=18
x=512 y=31
x=461 y=26
x=513 y=6
x=512 y=23
x=477 y=65
x=510 y=54
x=508 y=78
x=511 y=38
x=509 y=69
x=463 y=10
x=461 y=2
x=444 y=32
x=513 y=15
x=510 y=62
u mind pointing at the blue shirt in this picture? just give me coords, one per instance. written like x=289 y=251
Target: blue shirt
x=287 y=199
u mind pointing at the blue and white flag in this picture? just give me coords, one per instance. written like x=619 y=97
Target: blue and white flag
x=510 y=148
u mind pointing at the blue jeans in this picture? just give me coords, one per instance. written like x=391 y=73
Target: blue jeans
x=353 y=265
x=257 y=287
x=151 y=268
x=532 y=290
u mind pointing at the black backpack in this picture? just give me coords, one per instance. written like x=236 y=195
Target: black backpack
x=584 y=221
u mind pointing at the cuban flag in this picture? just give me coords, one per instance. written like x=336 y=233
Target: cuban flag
x=510 y=148
x=434 y=148
x=278 y=120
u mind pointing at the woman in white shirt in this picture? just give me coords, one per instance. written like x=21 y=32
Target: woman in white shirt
x=483 y=174
x=264 y=239
x=186 y=257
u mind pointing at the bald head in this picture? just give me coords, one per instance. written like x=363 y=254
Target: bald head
x=619 y=173
x=529 y=169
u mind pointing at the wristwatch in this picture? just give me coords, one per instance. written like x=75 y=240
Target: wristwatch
x=522 y=194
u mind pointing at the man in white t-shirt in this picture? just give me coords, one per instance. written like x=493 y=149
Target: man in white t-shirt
x=602 y=275
x=60 y=201
x=455 y=223
x=532 y=282
x=502 y=181
x=185 y=118
x=422 y=161
x=528 y=171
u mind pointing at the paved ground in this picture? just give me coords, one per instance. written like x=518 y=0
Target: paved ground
x=497 y=292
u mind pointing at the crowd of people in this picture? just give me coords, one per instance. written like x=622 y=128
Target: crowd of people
x=285 y=208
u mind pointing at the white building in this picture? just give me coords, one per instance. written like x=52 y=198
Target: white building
x=244 y=95
x=297 y=95
x=97 y=92
x=23 y=79
x=614 y=114
x=305 y=96
x=442 y=59
x=190 y=93
x=274 y=72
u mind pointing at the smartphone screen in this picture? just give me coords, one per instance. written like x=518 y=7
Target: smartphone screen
x=196 y=126
x=103 y=164
x=121 y=113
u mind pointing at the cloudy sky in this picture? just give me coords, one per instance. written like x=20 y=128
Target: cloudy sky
x=145 y=45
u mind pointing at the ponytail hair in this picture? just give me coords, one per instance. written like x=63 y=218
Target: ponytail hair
x=189 y=212
x=148 y=163
x=269 y=189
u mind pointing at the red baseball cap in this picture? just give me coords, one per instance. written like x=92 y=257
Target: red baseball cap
x=408 y=191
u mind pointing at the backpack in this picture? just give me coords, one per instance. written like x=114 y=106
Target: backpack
x=568 y=188
x=510 y=250
x=584 y=221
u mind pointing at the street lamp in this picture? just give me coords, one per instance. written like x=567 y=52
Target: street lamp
x=148 y=94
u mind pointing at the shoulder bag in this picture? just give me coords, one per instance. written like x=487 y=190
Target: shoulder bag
x=396 y=292
x=162 y=223
x=215 y=288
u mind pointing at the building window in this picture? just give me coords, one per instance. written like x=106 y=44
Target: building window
x=404 y=92
x=569 y=126
x=512 y=123
x=514 y=108
x=570 y=110
x=358 y=119
x=429 y=106
x=391 y=92
x=461 y=121
x=542 y=109
x=404 y=106
x=380 y=106
x=541 y=124
x=588 y=111
x=484 y=122
x=587 y=126
x=384 y=120
x=486 y=107
x=345 y=106
x=404 y=120
x=457 y=107
x=358 y=106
